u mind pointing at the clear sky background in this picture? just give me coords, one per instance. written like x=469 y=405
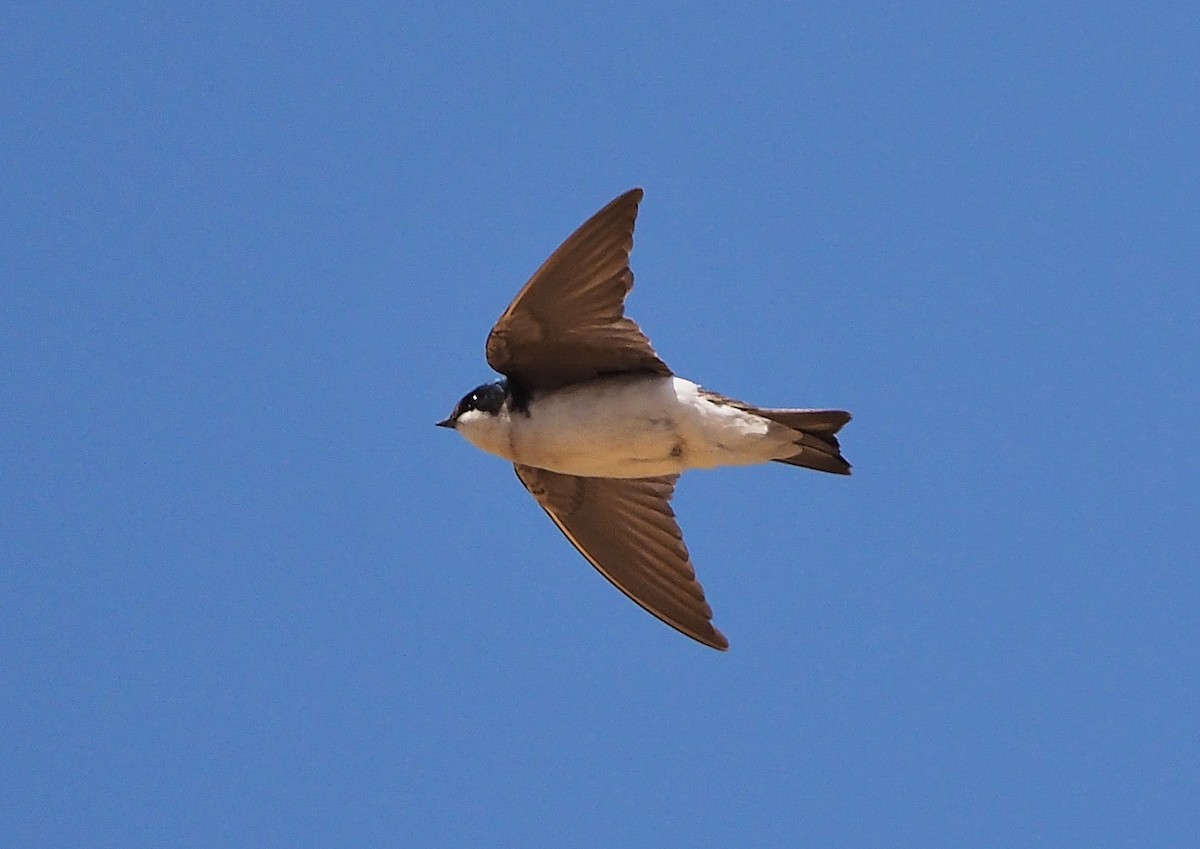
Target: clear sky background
x=250 y=596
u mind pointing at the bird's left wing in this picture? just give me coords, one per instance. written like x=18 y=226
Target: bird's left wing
x=627 y=530
x=568 y=323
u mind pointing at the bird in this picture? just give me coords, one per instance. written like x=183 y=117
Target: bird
x=599 y=428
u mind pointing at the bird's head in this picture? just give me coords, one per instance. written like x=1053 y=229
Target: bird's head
x=482 y=417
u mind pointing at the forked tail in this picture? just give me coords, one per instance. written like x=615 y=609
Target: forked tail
x=817 y=448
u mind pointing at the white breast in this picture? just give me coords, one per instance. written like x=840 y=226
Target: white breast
x=638 y=427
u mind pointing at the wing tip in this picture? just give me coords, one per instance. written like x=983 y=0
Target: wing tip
x=720 y=643
x=707 y=634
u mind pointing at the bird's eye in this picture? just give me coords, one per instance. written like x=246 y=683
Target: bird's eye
x=486 y=399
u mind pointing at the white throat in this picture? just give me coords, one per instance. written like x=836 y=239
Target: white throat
x=490 y=432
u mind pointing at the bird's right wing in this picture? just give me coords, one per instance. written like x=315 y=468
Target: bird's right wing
x=627 y=530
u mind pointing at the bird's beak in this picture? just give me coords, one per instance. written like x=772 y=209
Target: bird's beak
x=447 y=423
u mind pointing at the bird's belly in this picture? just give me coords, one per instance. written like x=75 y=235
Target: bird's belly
x=634 y=428
x=630 y=448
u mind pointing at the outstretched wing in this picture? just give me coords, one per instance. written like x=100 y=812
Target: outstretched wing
x=568 y=324
x=627 y=530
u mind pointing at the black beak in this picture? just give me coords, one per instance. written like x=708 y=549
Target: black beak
x=446 y=423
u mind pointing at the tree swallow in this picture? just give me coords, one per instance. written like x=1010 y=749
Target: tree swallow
x=599 y=428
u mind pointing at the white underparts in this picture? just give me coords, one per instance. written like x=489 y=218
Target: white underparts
x=628 y=427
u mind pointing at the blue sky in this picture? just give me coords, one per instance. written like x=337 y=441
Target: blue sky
x=250 y=596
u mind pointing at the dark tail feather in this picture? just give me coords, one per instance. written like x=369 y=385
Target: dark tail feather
x=817 y=446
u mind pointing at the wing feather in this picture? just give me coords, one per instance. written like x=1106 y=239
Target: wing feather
x=627 y=530
x=568 y=323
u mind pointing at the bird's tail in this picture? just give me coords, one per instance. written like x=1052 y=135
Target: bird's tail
x=817 y=448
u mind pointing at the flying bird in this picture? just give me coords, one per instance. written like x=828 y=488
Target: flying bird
x=599 y=428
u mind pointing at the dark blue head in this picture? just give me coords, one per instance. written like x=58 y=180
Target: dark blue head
x=488 y=398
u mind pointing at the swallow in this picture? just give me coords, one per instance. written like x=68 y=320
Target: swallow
x=599 y=428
